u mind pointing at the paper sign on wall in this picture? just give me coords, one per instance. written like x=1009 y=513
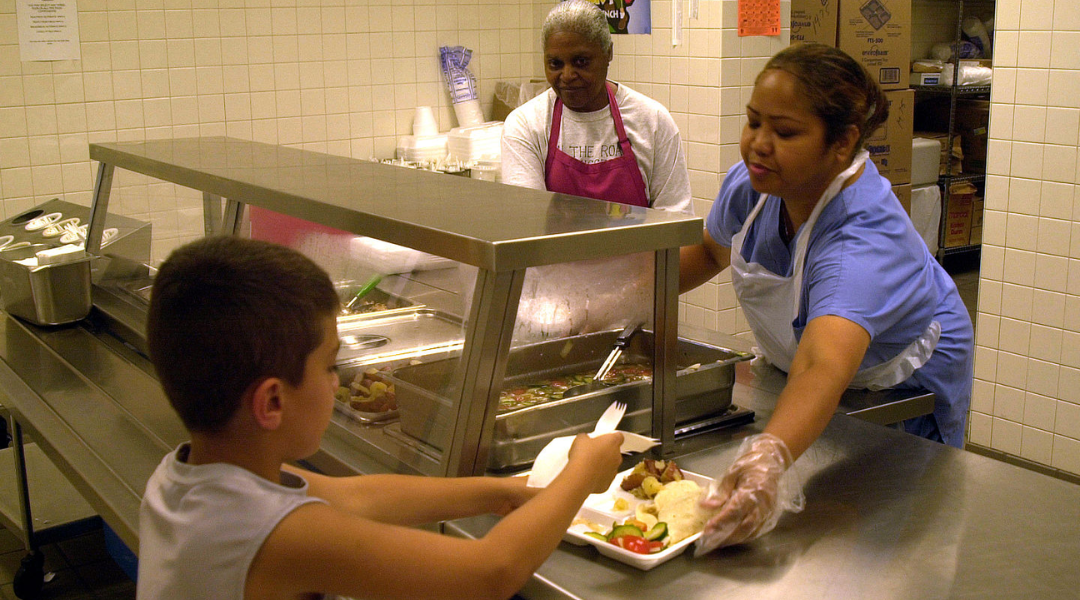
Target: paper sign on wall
x=48 y=29
x=627 y=16
x=759 y=17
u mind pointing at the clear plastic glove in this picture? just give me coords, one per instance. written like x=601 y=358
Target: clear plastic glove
x=748 y=500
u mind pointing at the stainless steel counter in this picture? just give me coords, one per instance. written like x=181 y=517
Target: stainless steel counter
x=889 y=515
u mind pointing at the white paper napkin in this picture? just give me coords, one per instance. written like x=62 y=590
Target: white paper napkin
x=553 y=458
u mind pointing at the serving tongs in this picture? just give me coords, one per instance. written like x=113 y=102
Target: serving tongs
x=597 y=383
x=364 y=291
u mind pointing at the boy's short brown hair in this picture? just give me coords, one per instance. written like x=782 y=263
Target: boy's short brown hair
x=225 y=314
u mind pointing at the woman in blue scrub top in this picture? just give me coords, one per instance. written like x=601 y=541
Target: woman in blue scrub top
x=837 y=286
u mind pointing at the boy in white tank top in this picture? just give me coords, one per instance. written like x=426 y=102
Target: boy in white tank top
x=243 y=336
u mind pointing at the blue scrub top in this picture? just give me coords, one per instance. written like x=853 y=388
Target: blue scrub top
x=866 y=263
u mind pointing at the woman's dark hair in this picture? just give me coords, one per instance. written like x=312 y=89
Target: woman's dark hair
x=838 y=88
x=225 y=314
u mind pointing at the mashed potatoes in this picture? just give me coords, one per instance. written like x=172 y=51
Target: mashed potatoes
x=677 y=505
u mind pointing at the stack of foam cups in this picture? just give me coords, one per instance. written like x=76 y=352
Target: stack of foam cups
x=469 y=113
x=425 y=144
x=424 y=123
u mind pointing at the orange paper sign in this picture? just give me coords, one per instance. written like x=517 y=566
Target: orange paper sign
x=759 y=17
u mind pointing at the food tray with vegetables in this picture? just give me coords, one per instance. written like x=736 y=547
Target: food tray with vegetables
x=647 y=525
x=532 y=412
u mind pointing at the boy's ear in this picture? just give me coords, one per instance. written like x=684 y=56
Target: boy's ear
x=266 y=403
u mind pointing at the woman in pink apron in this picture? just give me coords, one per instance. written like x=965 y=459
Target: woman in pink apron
x=837 y=286
x=588 y=136
x=591 y=137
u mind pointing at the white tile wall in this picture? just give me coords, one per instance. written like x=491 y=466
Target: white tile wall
x=337 y=76
x=710 y=77
x=1027 y=401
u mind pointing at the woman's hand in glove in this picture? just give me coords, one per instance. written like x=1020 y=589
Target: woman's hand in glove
x=752 y=494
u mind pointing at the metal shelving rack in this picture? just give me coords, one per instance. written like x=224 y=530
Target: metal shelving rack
x=954 y=92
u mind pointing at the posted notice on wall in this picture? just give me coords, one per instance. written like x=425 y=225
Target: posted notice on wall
x=759 y=17
x=48 y=29
x=627 y=16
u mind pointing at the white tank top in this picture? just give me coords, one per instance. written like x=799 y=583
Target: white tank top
x=201 y=525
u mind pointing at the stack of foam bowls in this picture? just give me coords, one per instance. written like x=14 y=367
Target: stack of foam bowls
x=414 y=148
x=476 y=143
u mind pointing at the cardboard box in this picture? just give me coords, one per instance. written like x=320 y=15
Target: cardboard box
x=814 y=21
x=509 y=95
x=925 y=79
x=977 y=212
x=955 y=156
x=890 y=144
x=972 y=123
x=976 y=221
x=903 y=194
x=958 y=214
x=976 y=236
x=877 y=33
x=499 y=107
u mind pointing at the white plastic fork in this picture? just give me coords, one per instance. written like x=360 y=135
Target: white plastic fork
x=609 y=421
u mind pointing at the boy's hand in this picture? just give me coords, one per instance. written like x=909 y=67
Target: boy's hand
x=516 y=494
x=599 y=455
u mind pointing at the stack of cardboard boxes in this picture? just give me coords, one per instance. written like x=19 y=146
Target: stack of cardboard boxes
x=877 y=33
x=964 y=204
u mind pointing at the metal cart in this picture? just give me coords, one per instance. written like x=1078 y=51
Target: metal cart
x=58 y=512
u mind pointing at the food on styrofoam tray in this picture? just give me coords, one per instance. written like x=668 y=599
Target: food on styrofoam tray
x=649 y=477
x=635 y=536
x=369 y=392
x=678 y=506
x=539 y=392
x=628 y=528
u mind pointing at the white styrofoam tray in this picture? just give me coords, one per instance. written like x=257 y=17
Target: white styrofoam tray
x=598 y=509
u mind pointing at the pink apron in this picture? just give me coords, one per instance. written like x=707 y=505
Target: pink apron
x=615 y=180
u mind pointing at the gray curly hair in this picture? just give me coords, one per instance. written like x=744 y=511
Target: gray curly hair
x=581 y=17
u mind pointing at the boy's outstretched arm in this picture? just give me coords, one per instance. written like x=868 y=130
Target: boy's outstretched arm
x=406 y=499
x=321 y=548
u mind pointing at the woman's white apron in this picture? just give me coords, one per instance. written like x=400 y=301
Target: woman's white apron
x=770 y=302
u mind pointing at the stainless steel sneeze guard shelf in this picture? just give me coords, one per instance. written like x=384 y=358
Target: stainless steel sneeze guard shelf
x=500 y=229
x=494 y=227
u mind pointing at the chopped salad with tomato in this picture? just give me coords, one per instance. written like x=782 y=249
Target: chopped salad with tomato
x=635 y=536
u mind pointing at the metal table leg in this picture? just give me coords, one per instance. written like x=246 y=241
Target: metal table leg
x=31 y=574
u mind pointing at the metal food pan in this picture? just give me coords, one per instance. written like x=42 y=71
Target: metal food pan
x=362 y=310
x=347 y=375
x=704 y=379
x=391 y=340
x=415 y=333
